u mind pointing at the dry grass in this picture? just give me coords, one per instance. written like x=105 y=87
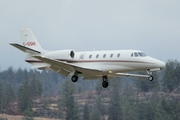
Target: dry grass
x=17 y=117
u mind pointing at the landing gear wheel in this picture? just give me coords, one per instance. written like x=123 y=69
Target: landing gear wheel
x=151 y=78
x=74 y=78
x=105 y=84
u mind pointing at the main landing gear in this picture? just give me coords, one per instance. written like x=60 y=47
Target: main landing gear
x=105 y=82
x=74 y=78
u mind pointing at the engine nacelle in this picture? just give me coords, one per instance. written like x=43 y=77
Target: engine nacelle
x=61 y=54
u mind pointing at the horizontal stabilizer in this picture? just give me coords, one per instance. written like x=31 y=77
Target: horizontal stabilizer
x=25 y=49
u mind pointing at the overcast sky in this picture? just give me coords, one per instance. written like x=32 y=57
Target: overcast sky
x=152 y=26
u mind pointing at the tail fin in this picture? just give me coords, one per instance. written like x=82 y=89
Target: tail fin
x=31 y=47
x=29 y=40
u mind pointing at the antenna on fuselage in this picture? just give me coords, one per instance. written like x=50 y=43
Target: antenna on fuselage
x=94 y=49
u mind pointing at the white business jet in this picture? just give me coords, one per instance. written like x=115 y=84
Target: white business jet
x=89 y=64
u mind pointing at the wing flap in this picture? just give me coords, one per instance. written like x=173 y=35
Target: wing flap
x=59 y=70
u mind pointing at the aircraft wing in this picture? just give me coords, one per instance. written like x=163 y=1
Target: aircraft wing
x=131 y=75
x=66 y=66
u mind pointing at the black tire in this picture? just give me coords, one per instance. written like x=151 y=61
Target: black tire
x=105 y=84
x=151 y=78
x=74 y=78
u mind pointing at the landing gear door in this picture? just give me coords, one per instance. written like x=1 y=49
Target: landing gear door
x=81 y=57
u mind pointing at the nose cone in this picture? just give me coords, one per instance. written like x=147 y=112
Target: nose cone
x=161 y=64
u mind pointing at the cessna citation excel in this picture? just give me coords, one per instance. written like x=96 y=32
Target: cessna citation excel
x=89 y=64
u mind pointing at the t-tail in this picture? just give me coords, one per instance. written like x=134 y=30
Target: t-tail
x=29 y=42
x=30 y=46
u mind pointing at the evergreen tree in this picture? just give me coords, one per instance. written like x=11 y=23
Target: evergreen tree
x=115 y=110
x=68 y=101
x=9 y=95
x=145 y=85
x=146 y=111
x=19 y=75
x=99 y=87
x=10 y=74
x=76 y=112
x=36 y=87
x=99 y=110
x=171 y=109
x=1 y=97
x=40 y=88
x=60 y=108
x=86 y=112
x=160 y=113
x=25 y=96
x=129 y=112
x=128 y=91
x=28 y=114
x=95 y=113
x=100 y=106
x=171 y=75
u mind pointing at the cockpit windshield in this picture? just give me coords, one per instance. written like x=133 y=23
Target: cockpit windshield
x=138 y=54
x=142 y=54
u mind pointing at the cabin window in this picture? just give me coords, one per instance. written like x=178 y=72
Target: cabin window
x=97 y=55
x=135 y=54
x=131 y=54
x=111 y=55
x=104 y=55
x=118 y=55
x=90 y=56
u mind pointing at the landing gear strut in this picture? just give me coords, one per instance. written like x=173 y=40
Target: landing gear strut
x=151 y=78
x=105 y=82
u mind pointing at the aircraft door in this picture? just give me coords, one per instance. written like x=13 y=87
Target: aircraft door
x=81 y=57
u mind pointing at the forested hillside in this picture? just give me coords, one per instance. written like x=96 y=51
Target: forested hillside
x=48 y=94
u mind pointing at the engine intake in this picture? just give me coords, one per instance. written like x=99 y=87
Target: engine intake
x=72 y=54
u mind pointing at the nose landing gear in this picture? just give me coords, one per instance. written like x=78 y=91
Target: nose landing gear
x=151 y=78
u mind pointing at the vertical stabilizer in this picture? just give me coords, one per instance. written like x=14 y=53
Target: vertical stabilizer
x=29 y=40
